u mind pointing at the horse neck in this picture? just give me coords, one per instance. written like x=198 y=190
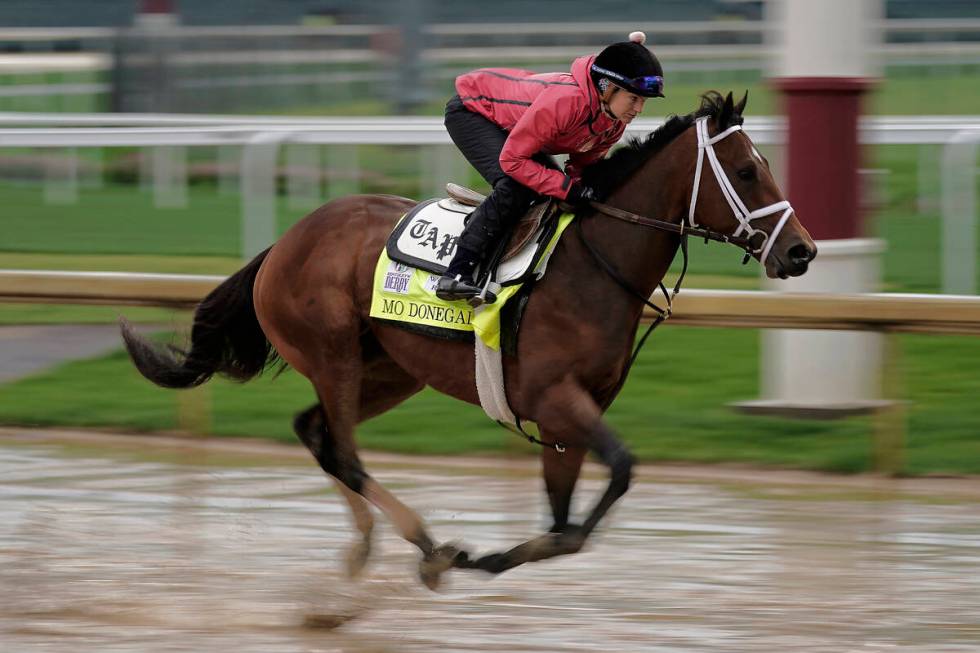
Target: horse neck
x=658 y=190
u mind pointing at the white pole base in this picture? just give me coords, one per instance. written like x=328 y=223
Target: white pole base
x=826 y=374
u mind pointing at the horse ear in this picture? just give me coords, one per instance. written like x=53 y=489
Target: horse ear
x=740 y=107
x=727 y=110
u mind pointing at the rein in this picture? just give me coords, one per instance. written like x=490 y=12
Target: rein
x=681 y=228
x=662 y=313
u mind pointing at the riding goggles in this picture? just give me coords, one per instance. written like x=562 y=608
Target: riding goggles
x=647 y=85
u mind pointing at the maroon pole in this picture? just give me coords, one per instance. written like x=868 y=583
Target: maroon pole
x=823 y=152
x=157 y=7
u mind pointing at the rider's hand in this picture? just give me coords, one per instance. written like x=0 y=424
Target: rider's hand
x=581 y=195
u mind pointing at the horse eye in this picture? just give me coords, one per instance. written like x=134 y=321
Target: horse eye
x=747 y=174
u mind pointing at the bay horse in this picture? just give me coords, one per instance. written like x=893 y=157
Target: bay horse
x=306 y=299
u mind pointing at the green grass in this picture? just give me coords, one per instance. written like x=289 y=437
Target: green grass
x=121 y=263
x=119 y=219
x=14 y=314
x=54 y=103
x=674 y=408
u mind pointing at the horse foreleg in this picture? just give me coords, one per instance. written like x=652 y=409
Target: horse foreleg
x=579 y=421
x=561 y=471
x=614 y=455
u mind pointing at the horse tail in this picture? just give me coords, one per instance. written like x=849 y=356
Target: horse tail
x=226 y=338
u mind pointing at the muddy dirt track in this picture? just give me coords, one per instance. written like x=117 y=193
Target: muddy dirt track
x=136 y=544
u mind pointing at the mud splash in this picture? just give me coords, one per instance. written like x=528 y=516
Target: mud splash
x=100 y=552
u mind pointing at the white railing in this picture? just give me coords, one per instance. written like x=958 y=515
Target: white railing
x=261 y=139
x=883 y=130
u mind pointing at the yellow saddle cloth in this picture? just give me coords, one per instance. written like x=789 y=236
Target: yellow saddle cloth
x=406 y=294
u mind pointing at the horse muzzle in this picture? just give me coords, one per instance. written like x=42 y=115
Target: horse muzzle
x=792 y=262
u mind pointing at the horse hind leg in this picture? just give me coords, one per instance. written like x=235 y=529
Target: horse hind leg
x=390 y=385
x=332 y=444
x=310 y=427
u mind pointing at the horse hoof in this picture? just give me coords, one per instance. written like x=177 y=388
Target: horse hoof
x=357 y=557
x=440 y=560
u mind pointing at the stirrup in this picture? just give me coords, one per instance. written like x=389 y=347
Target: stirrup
x=486 y=296
x=448 y=288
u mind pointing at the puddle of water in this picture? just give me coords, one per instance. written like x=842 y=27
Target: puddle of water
x=102 y=553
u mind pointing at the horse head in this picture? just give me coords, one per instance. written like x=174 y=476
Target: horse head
x=733 y=190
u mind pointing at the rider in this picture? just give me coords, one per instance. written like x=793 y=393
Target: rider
x=507 y=123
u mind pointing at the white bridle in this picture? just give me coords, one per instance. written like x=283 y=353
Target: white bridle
x=742 y=214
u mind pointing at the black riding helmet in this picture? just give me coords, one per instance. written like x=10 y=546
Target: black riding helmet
x=629 y=65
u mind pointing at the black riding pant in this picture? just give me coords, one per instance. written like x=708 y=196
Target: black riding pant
x=481 y=141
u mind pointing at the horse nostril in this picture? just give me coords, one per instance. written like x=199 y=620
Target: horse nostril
x=800 y=254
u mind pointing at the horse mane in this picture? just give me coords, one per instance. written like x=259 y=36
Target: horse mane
x=606 y=174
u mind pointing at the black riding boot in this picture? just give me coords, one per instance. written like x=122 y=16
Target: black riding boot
x=457 y=281
x=488 y=223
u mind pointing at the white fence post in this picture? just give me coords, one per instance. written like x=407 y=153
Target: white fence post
x=303 y=176
x=144 y=163
x=259 y=159
x=959 y=208
x=170 y=177
x=438 y=165
x=821 y=373
x=927 y=178
x=61 y=176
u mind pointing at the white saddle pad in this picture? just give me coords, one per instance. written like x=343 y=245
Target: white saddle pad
x=426 y=239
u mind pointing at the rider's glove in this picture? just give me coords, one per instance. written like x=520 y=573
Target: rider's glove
x=581 y=195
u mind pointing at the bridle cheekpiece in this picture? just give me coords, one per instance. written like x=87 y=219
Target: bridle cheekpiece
x=742 y=214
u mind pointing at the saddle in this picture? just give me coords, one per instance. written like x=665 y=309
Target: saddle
x=426 y=237
x=522 y=232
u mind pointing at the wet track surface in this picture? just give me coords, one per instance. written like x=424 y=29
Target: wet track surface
x=125 y=548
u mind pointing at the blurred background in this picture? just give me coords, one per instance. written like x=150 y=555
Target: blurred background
x=171 y=136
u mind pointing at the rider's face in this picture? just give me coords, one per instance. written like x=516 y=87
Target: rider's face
x=625 y=105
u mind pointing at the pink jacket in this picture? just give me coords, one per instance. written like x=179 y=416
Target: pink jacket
x=554 y=113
